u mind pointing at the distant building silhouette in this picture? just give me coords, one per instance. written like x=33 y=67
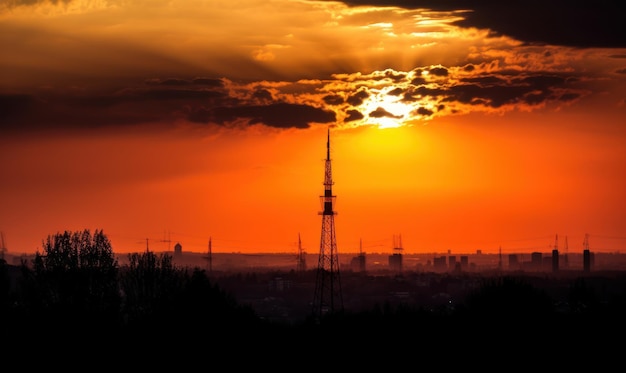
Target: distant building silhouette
x=439 y=263
x=451 y=262
x=395 y=262
x=555 y=260
x=586 y=260
x=587 y=256
x=357 y=264
x=464 y=262
x=536 y=260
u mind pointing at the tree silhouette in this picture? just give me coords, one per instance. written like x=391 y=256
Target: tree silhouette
x=5 y=287
x=149 y=284
x=73 y=283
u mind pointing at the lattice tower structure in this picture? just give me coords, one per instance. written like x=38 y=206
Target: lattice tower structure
x=328 y=296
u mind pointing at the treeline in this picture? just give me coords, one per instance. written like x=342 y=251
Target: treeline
x=76 y=291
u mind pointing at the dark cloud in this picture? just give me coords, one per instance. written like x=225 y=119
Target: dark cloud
x=14 y=3
x=469 y=68
x=60 y=109
x=496 y=91
x=581 y=23
x=209 y=82
x=28 y=113
x=418 y=80
x=164 y=100
x=396 y=92
x=263 y=95
x=438 y=71
x=424 y=111
x=171 y=81
x=382 y=113
x=333 y=100
x=171 y=94
x=357 y=98
x=485 y=80
x=280 y=115
x=394 y=75
x=353 y=115
x=570 y=96
x=425 y=91
x=12 y=105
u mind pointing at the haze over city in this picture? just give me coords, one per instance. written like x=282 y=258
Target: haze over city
x=459 y=127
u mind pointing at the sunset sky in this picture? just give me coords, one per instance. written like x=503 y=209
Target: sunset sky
x=453 y=125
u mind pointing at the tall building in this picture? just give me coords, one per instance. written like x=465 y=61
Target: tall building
x=514 y=263
x=555 y=260
x=327 y=297
x=555 y=255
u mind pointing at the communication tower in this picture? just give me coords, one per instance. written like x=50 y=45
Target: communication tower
x=301 y=259
x=361 y=257
x=327 y=297
x=209 y=257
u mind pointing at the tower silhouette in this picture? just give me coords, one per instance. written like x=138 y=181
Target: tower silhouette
x=327 y=297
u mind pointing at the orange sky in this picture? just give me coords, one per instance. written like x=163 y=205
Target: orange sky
x=184 y=121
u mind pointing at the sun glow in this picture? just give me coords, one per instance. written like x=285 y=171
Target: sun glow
x=386 y=110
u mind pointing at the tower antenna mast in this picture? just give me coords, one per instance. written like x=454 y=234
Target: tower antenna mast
x=301 y=256
x=327 y=297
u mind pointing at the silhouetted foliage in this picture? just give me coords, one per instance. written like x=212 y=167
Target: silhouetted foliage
x=5 y=287
x=73 y=282
x=75 y=292
x=501 y=297
x=75 y=289
x=582 y=298
x=163 y=303
x=148 y=284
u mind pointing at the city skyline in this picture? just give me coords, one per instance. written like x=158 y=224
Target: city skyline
x=188 y=121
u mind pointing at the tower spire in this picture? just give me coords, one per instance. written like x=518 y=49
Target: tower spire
x=328 y=146
x=327 y=297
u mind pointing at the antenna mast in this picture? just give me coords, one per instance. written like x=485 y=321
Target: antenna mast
x=301 y=264
x=327 y=297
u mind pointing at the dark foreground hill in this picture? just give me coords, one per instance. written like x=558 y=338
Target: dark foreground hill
x=163 y=313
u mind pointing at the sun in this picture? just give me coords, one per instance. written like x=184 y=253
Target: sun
x=385 y=110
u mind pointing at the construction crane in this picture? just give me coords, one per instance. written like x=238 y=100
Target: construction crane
x=167 y=238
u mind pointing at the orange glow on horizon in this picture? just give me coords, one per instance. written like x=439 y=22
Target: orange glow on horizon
x=189 y=121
